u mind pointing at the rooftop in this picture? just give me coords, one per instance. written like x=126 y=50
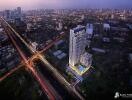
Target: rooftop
x=79 y=28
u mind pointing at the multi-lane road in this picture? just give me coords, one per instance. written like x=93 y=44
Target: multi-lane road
x=20 y=44
x=42 y=82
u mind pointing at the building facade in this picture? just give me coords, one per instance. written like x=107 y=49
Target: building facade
x=77 y=44
x=86 y=59
x=89 y=31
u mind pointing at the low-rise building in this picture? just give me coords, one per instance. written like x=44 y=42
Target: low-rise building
x=61 y=56
x=86 y=59
x=1 y=29
x=106 y=26
x=99 y=50
x=56 y=53
x=105 y=39
x=59 y=43
x=34 y=45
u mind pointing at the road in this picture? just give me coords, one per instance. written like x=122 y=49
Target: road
x=61 y=79
x=40 y=56
x=60 y=88
x=10 y=72
x=42 y=82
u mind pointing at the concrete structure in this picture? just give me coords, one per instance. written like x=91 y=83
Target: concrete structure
x=99 y=50
x=34 y=45
x=89 y=31
x=56 y=53
x=9 y=58
x=19 y=11
x=77 y=44
x=1 y=29
x=106 y=26
x=60 y=26
x=89 y=34
x=7 y=14
x=82 y=17
x=59 y=43
x=79 y=61
x=106 y=39
x=29 y=26
x=61 y=56
x=86 y=59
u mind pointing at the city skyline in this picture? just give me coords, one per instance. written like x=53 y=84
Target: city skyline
x=60 y=4
x=65 y=49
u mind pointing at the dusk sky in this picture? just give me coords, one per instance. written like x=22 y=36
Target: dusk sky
x=37 y=4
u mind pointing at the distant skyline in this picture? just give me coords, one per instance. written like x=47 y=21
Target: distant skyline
x=58 y=4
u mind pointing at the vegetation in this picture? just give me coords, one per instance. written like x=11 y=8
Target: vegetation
x=19 y=86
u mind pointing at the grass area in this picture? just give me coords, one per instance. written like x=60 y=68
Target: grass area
x=19 y=86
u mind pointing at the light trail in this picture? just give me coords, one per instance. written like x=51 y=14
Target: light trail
x=60 y=77
x=10 y=72
x=42 y=83
x=53 y=69
x=18 y=35
x=40 y=56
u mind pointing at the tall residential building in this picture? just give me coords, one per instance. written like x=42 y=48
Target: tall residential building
x=13 y=14
x=77 y=44
x=7 y=14
x=89 y=34
x=19 y=10
x=89 y=31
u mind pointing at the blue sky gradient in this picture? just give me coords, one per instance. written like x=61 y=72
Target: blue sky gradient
x=34 y=4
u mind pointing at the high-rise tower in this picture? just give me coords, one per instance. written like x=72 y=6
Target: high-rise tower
x=77 y=44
